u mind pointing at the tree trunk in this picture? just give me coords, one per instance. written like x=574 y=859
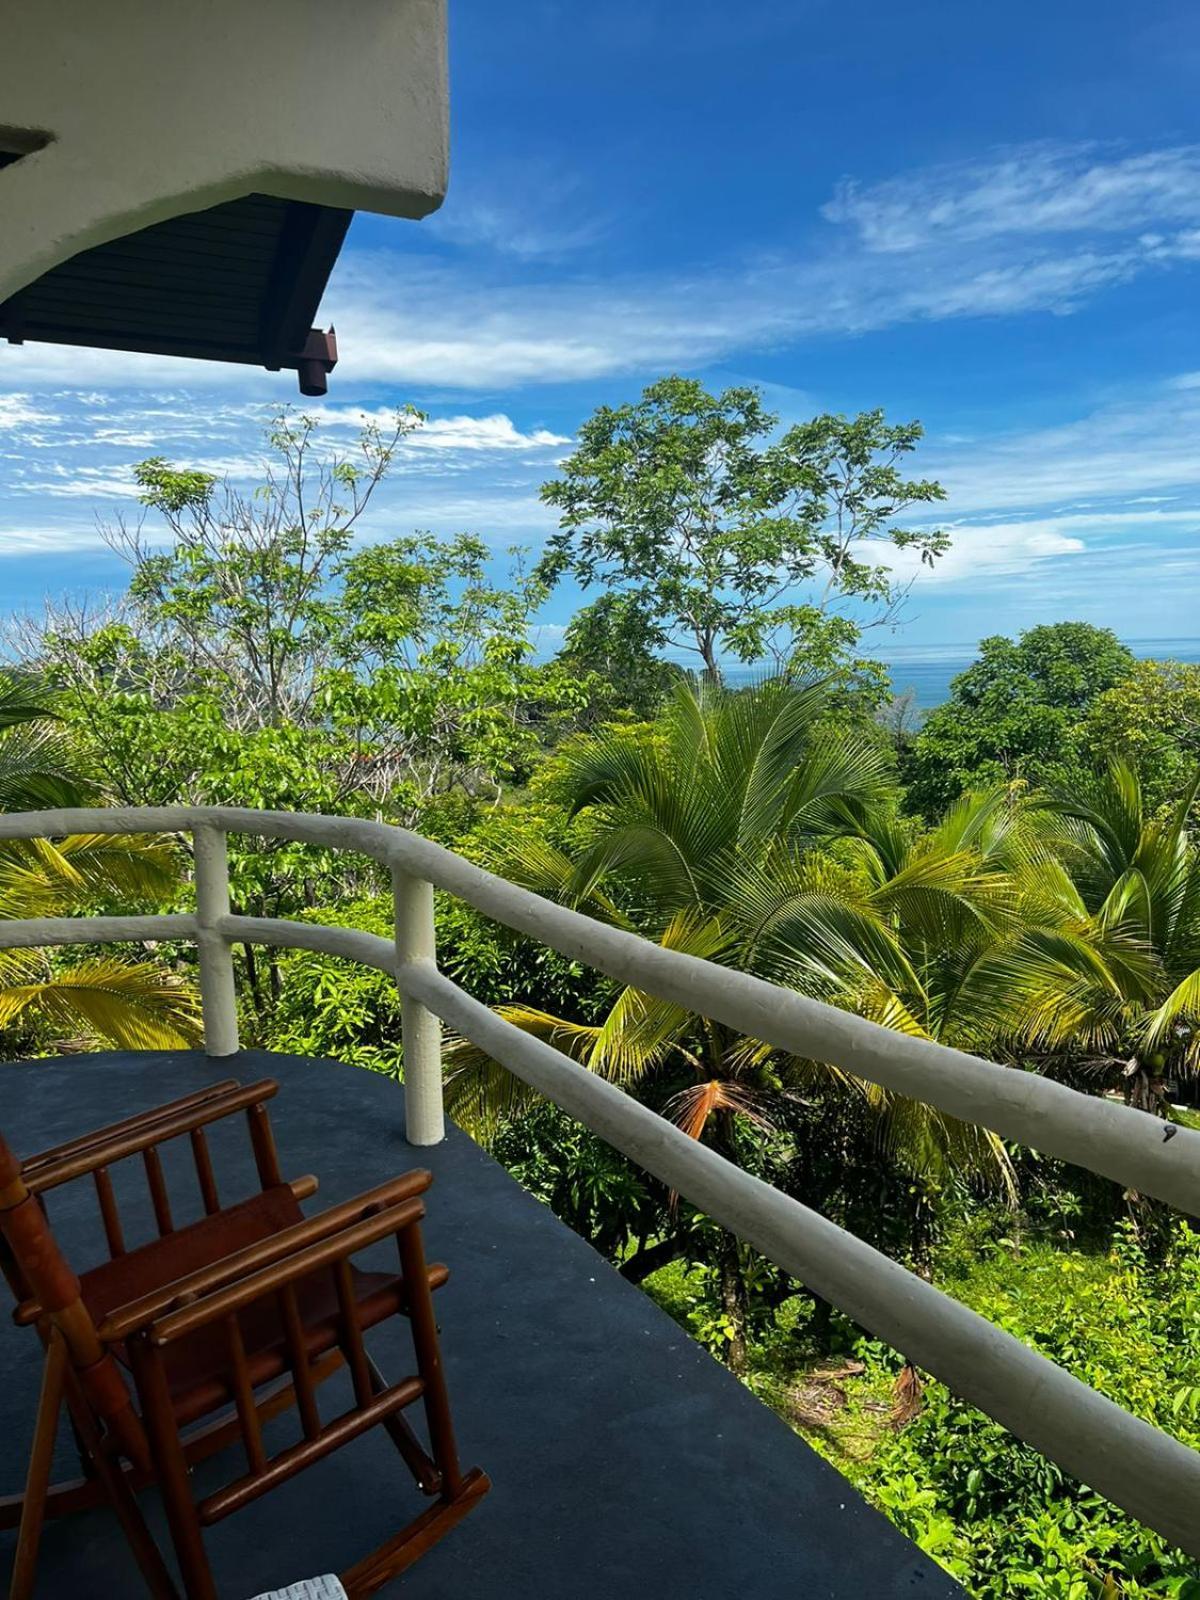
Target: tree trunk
x=820 y=1324
x=1143 y=1089
x=733 y=1303
x=708 y=655
x=252 y=977
x=650 y=1258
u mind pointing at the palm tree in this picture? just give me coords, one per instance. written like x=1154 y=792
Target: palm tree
x=1131 y=883
x=740 y=828
x=133 y=1004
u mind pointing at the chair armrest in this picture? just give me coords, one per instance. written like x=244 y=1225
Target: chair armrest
x=374 y=1205
x=101 y=1136
x=95 y=1151
x=340 y=1246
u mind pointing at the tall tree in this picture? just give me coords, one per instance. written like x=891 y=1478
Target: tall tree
x=716 y=832
x=734 y=538
x=1150 y=718
x=1017 y=712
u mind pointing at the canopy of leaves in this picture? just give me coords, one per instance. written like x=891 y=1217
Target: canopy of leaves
x=729 y=535
x=1015 y=713
x=1150 y=718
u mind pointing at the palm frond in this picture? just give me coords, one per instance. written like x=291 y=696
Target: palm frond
x=480 y=1093
x=23 y=699
x=37 y=770
x=693 y=1108
x=43 y=877
x=134 y=1005
x=1180 y=1010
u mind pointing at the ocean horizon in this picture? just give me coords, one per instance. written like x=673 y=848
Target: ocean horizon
x=927 y=671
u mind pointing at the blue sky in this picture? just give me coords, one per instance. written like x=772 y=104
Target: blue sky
x=987 y=219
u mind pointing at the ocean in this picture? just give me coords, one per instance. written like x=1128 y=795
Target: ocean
x=927 y=670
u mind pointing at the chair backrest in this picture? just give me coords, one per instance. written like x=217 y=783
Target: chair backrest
x=46 y=1287
x=37 y=1266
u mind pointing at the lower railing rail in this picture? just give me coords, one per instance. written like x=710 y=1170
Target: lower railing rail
x=1151 y=1475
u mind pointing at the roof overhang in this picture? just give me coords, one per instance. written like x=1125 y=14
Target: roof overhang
x=238 y=282
x=179 y=179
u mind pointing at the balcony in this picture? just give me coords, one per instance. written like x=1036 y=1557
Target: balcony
x=623 y=1457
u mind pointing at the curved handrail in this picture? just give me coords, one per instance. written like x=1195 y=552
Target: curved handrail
x=1113 y=1140
x=1153 y=1476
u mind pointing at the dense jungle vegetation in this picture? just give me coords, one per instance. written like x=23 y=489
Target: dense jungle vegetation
x=1018 y=875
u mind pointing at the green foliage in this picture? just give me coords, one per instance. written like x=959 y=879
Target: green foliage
x=1015 y=713
x=995 y=1512
x=263 y=660
x=613 y=647
x=586 y=1183
x=1149 y=718
x=44 y=997
x=682 y=503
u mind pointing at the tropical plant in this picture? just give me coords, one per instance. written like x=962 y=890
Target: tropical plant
x=1132 y=883
x=739 y=828
x=730 y=538
x=1017 y=712
x=735 y=828
x=134 y=1004
x=1150 y=718
x=996 y=1513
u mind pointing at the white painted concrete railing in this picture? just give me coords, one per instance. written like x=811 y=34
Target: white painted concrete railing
x=1152 y=1476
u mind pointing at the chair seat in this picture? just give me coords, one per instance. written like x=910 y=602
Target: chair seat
x=198 y=1366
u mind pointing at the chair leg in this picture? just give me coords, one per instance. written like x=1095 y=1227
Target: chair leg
x=117 y=1484
x=41 y=1461
x=171 y=1464
x=429 y=1358
x=415 y=1456
x=370 y=1574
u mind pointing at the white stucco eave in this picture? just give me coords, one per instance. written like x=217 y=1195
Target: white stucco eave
x=157 y=107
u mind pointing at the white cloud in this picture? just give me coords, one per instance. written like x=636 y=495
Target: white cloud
x=500 y=227
x=495 y=432
x=1034 y=189
x=24 y=540
x=500 y=518
x=18 y=411
x=1141 y=444
x=532 y=209
x=988 y=550
x=1042 y=228
x=81 y=482
x=1112 y=491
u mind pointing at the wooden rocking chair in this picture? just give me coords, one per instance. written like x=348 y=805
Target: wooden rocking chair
x=220 y=1325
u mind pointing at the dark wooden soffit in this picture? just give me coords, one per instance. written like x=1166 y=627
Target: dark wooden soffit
x=239 y=282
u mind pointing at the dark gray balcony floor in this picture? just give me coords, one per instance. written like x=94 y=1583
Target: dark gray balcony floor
x=625 y=1460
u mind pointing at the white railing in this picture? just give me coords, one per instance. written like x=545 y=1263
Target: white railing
x=1151 y=1475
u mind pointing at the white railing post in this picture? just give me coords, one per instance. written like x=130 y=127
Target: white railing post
x=420 y=1029
x=218 y=996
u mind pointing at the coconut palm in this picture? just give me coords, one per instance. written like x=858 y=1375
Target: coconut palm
x=133 y=1004
x=741 y=829
x=1132 y=881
